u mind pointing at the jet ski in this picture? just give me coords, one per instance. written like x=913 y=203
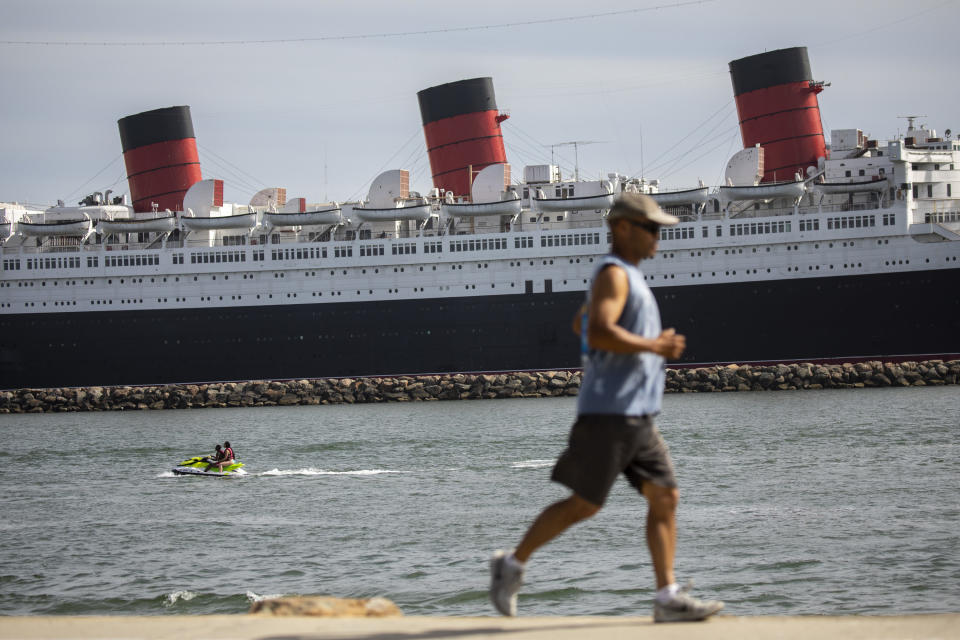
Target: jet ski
x=202 y=466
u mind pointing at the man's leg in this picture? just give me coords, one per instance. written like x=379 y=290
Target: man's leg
x=671 y=603
x=553 y=521
x=662 y=530
x=506 y=569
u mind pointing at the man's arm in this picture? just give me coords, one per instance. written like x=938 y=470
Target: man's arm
x=608 y=297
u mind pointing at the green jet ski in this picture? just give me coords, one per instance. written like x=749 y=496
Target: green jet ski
x=202 y=466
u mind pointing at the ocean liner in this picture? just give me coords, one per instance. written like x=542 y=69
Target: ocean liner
x=806 y=252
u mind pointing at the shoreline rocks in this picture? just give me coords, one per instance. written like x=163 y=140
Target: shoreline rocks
x=537 y=384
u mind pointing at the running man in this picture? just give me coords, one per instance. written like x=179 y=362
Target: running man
x=614 y=433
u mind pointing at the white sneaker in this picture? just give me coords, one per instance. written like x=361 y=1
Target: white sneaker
x=685 y=608
x=505 y=581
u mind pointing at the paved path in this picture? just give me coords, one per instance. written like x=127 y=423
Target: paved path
x=249 y=627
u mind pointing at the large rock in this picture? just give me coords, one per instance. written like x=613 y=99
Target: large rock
x=326 y=607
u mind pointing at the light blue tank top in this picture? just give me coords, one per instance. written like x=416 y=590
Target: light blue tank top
x=625 y=384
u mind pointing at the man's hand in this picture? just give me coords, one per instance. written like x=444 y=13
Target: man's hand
x=669 y=344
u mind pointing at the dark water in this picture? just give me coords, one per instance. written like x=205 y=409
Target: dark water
x=816 y=502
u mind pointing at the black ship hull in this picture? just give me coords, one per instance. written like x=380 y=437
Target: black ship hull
x=902 y=315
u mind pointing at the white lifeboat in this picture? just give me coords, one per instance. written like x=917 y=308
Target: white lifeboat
x=76 y=227
x=509 y=206
x=490 y=195
x=304 y=219
x=390 y=199
x=238 y=221
x=697 y=195
x=827 y=188
x=158 y=224
x=413 y=210
x=764 y=191
x=578 y=203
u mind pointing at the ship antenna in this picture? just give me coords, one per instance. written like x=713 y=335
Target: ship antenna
x=641 y=153
x=576 y=157
x=910 y=120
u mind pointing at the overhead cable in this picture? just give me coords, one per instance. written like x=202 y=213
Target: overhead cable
x=368 y=36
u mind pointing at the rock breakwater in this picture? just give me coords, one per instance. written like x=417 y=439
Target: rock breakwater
x=780 y=377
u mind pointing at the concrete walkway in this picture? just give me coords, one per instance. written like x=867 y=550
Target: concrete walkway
x=251 y=627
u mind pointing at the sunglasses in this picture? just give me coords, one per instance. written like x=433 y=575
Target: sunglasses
x=651 y=227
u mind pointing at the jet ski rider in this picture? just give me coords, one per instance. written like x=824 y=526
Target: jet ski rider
x=226 y=454
x=214 y=459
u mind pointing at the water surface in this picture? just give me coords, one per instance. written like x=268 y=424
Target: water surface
x=815 y=502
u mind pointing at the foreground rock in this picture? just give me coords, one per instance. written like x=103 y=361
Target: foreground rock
x=536 y=384
x=326 y=607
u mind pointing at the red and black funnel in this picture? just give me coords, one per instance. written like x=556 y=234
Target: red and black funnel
x=462 y=128
x=777 y=103
x=160 y=152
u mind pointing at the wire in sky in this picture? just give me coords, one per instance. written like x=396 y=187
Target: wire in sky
x=240 y=173
x=395 y=34
x=897 y=22
x=366 y=184
x=97 y=174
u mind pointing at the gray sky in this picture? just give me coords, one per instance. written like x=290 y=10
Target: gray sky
x=649 y=85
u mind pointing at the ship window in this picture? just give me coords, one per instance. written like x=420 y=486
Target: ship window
x=847 y=173
x=862 y=172
x=929 y=190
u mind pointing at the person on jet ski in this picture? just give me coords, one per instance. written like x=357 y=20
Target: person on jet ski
x=226 y=455
x=216 y=457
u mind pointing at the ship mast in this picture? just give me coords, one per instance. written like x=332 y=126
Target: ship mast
x=576 y=158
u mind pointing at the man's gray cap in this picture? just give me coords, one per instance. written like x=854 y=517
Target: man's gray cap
x=639 y=206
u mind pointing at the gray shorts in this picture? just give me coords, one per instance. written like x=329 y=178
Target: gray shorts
x=603 y=446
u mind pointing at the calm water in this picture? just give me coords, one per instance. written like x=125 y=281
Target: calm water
x=816 y=502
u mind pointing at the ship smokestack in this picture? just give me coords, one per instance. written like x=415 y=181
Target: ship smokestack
x=777 y=104
x=462 y=128
x=160 y=152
